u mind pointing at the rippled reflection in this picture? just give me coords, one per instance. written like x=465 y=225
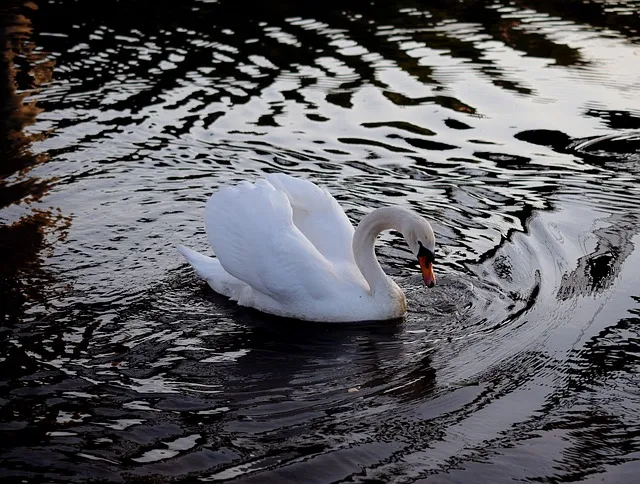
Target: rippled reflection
x=27 y=229
x=513 y=126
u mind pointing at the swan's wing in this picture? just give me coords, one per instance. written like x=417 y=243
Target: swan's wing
x=250 y=228
x=318 y=216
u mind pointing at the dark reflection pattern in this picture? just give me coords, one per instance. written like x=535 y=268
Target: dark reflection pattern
x=597 y=270
x=27 y=230
x=511 y=125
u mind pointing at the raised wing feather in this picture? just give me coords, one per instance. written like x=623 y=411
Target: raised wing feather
x=251 y=230
x=318 y=216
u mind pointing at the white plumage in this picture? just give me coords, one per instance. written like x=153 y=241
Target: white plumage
x=284 y=246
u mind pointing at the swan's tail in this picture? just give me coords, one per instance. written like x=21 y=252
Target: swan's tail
x=204 y=266
x=211 y=270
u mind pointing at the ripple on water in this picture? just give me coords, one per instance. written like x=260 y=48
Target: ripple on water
x=118 y=363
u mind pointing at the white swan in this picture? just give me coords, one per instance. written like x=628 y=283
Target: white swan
x=284 y=246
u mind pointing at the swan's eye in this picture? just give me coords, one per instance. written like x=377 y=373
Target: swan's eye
x=424 y=252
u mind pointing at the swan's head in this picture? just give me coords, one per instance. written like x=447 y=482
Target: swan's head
x=422 y=243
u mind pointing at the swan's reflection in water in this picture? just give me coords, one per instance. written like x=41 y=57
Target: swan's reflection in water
x=262 y=384
x=267 y=354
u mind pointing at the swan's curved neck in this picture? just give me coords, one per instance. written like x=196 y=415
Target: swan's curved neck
x=364 y=239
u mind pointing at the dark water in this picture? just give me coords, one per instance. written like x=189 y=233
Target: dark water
x=514 y=126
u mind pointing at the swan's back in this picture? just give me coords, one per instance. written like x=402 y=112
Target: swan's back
x=250 y=228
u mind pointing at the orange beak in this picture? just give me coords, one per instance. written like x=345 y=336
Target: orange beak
x=427 y=271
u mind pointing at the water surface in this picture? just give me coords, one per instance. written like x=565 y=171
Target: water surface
x=513 y=126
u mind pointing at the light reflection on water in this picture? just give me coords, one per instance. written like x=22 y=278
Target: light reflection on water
x=513 y=127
